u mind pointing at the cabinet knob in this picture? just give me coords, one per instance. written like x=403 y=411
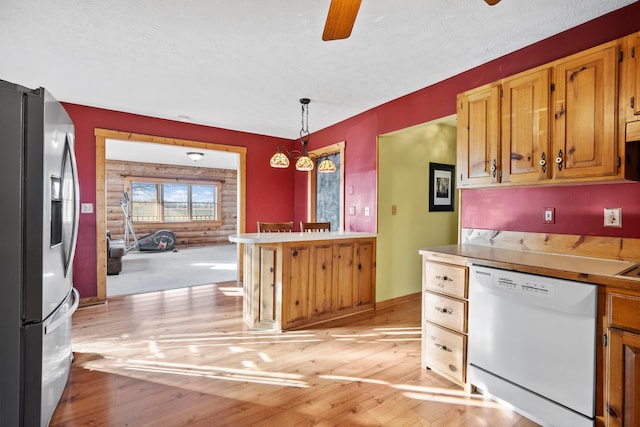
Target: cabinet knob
x=543 y=162
x=297 y=302
x=559 y=160
x=611 y=411
x=295 y=253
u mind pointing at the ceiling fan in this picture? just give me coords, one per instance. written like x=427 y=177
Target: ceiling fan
x=342 y=15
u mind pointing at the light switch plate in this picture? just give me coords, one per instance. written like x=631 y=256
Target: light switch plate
x=549 y=216
x=86 y=208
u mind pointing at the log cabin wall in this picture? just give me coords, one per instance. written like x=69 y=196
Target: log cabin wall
x=187 y=234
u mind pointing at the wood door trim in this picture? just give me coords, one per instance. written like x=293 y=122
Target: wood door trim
x=101 y=220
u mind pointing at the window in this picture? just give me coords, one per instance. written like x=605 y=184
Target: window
x=326 y=191
x=174 y=200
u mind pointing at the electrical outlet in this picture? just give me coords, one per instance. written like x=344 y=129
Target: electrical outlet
x=613 y=217
x=549 y=216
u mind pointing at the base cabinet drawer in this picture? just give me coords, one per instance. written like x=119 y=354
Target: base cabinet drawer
x=624 y=311
x=444 y=351
x=445 y=279
x=448 y=312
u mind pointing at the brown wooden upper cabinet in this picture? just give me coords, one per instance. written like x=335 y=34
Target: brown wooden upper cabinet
x=478 y=136
x=553 y=123
x=584 y=114
x=632 y=71
x=630 y=90
x=525 y=127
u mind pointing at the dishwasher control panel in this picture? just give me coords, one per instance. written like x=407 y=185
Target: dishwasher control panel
x=522 y=286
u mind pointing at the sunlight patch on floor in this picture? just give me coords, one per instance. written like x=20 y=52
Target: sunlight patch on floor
x=216 y=265
x=235 y=291
x=251 y=366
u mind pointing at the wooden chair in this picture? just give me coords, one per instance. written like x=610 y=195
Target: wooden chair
x=275 y=226
x=314 y=226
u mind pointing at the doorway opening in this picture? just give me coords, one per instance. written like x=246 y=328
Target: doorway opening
x=145 y=165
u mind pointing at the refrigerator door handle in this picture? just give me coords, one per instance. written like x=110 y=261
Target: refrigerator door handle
x=62 y=319
x=76 y=210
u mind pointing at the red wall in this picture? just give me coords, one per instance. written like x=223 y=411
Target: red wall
x=578 y=209
x=269 y=191
x=437 y=101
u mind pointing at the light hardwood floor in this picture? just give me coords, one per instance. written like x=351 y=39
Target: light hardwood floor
x=183 y=357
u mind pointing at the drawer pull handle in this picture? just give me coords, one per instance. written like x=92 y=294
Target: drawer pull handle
x=445 y=310
x=443 y=347
x=444 y=278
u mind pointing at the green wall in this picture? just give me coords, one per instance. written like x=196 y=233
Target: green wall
x=403 y=181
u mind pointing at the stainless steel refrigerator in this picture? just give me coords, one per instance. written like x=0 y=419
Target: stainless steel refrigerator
x=39 y=199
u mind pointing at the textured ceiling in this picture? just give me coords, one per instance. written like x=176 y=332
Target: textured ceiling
x=244 y=64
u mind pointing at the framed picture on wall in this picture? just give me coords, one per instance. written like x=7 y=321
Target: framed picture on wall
x=441 y=187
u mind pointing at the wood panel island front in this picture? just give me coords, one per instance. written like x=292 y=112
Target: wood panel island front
x=296 y=279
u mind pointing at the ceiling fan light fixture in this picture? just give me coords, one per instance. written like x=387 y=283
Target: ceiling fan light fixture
x=492 y=2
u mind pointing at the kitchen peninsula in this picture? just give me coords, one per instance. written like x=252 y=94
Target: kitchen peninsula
x=296 y=279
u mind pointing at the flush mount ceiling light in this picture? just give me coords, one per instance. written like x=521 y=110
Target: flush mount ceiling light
x=195 y=155
x=303 y=159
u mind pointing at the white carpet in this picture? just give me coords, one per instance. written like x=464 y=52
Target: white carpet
x=153 y=271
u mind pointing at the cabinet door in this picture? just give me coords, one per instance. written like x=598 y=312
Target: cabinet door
x=267 y=267
x=343 y=276
x=584 y=114
x=295 y=286
x=631 y=78
x=322 y=276
x=525 y=127
x=478 y=136
x=365 y=273
x=623 y=406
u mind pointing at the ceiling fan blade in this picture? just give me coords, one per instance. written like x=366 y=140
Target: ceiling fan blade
x=340 y=19
x=492 y=2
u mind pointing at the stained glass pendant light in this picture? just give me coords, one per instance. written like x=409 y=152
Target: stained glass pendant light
x=303 y=160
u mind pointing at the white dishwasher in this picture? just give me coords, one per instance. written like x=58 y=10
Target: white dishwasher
x=532 y=344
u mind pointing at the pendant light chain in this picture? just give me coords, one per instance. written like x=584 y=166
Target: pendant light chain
x=304 y=119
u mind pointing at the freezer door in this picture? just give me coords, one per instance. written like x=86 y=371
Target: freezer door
x=60 y=200
x=47 y=360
